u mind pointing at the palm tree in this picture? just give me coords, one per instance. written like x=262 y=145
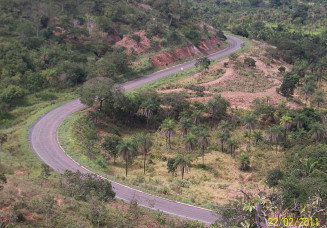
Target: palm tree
x=319 y=98
x=167 y=129
x=183 y=162
x=196 y=116
x=203 y=141
x=269 y=135
x=257 y=136
x=245 y=161
x=223 y=136
x=190 y=142
x=224 y=126
x=144 y=142
x=276 y=134
x=232 y=145
x=3 y=139
x=127 y=150
x=212 y=105
x=250 y=121
x=185 y=125
x=317 y=131
x=286 y=123
x=299 y=119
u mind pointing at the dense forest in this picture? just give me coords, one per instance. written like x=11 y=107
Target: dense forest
x=180 y=145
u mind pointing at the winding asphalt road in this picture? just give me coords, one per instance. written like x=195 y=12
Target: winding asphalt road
x=44 y=141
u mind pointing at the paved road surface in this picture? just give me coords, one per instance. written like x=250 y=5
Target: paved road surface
x=44 y=141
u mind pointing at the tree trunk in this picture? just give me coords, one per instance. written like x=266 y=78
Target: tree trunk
x=222 y=146
x=145 y=152
x=182 y=172
x=147 y=123
x=126 y=164
x=114 y=159
x=168 y=142
x=276 y=146
x=203 y=154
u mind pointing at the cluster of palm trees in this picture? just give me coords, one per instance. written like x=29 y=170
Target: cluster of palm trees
x=129 y=148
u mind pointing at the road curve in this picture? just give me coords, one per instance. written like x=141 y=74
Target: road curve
x=44 y=142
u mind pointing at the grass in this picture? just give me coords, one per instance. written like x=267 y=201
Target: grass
x=220 y=180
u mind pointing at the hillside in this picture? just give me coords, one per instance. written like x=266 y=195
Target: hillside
x=244 y=136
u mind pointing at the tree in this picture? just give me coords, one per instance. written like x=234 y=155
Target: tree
x=317 y=131
x=217 y=107
x=288 y=84
x=250 y=121
x=196 y=116
x=97 y=90
x=171 y=166
x=148 y=107
x=225 y=126
x=97 y=212
x=110 y=145
x=34 y=81
x=185 y=125
x=190 y=142
x=203 y=141
x=47 y=205
x=183 y=162
x=3 y=180
x=232 y=145
x=319 y=98
x=167 y=129
x=245 y=161
x=299 y=120
x=257 y=136
x=144 y=142
x=3 y=139
x=286 y=123
x=45 y=172
x=203 y=63
x=223 y=136
x=127 y=150
x=276 y=132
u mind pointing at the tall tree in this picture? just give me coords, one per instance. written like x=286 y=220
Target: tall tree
x=223 y=136
x=185 y=125
x=232 y=145
x=168 y=130
x=183 y=162
x=190 y=142
x=286 y=123
x=319 y=98
x=110 y=145
x=127 y=150
x=317 y=131
x=203 y=141
x=276 y=134
x=3 y=139
x=144 y=142
x=250 y=121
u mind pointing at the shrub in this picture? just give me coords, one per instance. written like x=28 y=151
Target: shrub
x=137 y=38
x=273 y=177
x=250 y=62
x=282 y=69
x=47 y=96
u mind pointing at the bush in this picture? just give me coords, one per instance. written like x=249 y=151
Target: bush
x=273 y=177
x=101 y=162
x=137 y=38
x=250 y=62
x=47 y=96
x=282 y=69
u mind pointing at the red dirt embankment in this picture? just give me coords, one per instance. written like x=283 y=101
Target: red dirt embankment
x=185 y=52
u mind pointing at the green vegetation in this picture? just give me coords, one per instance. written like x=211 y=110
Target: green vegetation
x=191 y=145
